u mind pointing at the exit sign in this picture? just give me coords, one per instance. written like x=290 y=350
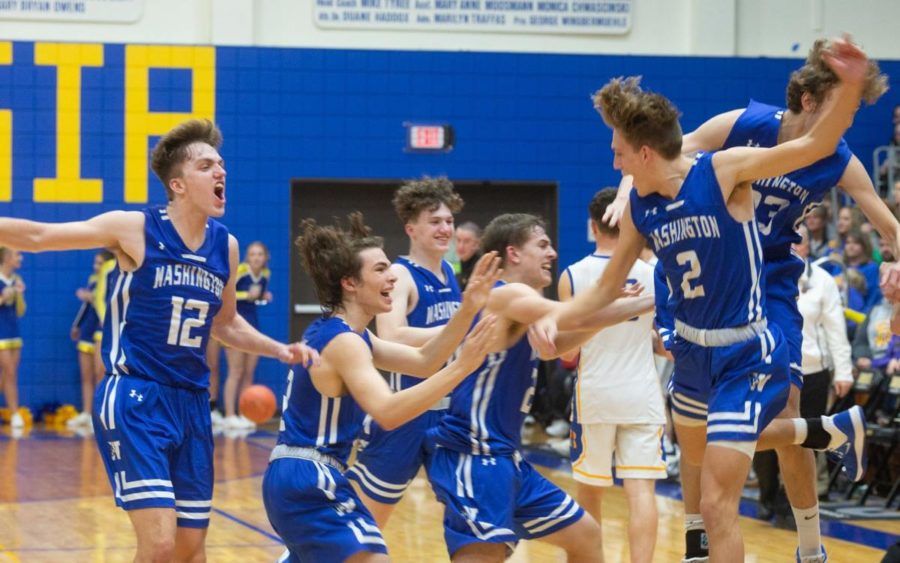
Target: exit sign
x=422 y=137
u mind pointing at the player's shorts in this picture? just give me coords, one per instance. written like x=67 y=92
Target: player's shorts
x=782 y=291
x=637 y=447
x=11 y=343
x=314 y=509
x=388 y=461
x=87 y=330
x=157 y=445
x=496 y=499
x=735 y=390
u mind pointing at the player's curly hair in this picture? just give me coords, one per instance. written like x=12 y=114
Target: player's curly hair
x=642 y=117
x=172 y=150
x=816 y=78
x=331 y=253
x=425 y=194
x=509 y=229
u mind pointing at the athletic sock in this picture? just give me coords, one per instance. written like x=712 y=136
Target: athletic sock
x=820 y=438
x=808 y=534
x=696 y=543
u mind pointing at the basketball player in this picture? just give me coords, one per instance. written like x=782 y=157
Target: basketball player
x=425 y=297
x=781 y=203
x=492 y=496
x=175 y=287
x=730 y=367
x=12 y=306
x=251 y=289
x=308 y=498
x=617 y=408
x=84 y=326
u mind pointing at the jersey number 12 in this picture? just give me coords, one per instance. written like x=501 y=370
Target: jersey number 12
x=180 y=331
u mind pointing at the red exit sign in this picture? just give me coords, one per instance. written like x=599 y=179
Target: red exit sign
x=429 y=137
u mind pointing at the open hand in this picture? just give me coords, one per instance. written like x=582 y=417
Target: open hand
x=300 y=353
x=847 y=60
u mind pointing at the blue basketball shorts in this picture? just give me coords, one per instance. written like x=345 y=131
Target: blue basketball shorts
x=388 y=461
x=496 y=499
x=782 y=291
x=157 y=445
x=314 y=509
x=737 y=389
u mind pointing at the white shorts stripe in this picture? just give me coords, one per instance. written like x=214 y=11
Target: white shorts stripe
x=192 y=515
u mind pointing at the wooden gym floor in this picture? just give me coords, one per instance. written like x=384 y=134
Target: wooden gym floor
x=56 y=505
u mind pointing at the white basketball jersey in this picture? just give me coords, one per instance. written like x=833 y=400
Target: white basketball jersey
x=617 y=377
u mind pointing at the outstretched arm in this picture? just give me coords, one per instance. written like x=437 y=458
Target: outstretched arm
x=426 y=359
x=710 y=136
x=350 y=357
x=231 y=328
x=739 y=165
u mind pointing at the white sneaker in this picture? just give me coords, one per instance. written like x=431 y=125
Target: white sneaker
x=80 y=419
x=560 y=446
x=558 y=428
x=246 y=423
x=217 y=418
x=16 y=420
x=232 y=422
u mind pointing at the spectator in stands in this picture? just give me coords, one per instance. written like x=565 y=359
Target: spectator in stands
x=890 y=168
x=821 y=241
x=858 y=256
x=468 y=249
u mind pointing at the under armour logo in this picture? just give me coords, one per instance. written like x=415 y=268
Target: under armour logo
x=752 y=143
x=136 y=395
x=488 y=461
x=114 y=451
x=759 y=381
x=649 y=212
x=162 y=246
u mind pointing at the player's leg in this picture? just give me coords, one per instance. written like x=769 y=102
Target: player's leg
x=591 y=455
x=639 y=463
x=581 y=540
x=250 y=362
x=233 y=382
x=481 y=553
x=86 y=372
x=797 y=464
x=155 y=531
x=722 y=480
x=692 y=438
x=9 y=375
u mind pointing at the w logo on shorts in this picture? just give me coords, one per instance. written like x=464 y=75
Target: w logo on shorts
x=759 y=381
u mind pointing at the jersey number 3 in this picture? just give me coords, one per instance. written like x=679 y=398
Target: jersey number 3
x=180 y=332
x=690 y=258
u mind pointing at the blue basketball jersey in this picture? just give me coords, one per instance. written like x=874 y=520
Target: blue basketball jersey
x=713 y=263
x=782 y=202
x=665 y=321
x=245 y=280
x=159 y=316
x=438 y=302
x=312 y=420
x=487 y=409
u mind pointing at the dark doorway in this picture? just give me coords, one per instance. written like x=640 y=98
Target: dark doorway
x=323 y=200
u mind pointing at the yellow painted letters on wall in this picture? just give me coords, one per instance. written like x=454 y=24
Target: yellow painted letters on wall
x=68 y=186
x=5 y=134
x=141 y=123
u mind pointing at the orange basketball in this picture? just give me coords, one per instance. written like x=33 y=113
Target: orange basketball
x=257 y=403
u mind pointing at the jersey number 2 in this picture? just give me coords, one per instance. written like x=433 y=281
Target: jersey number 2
x=690 y=257
x=180 y=332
